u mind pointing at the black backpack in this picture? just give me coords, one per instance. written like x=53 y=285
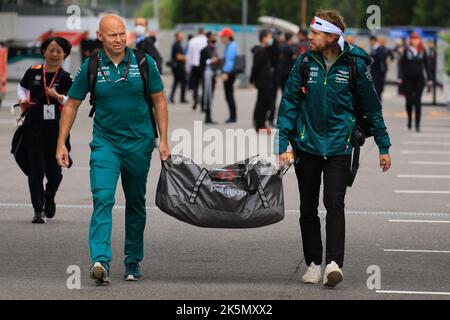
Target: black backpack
x=362 y=127
x=143 y=70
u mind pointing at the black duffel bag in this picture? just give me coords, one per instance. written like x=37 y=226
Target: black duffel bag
x=247 y=194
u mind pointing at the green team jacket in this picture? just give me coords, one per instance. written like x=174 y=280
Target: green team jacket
x=322 y=122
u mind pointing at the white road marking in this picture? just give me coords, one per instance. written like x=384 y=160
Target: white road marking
x=423 y=191
x=430 y=135
x=420 y=221
x=290 y=211
x=426 y=143
x=430 y=163
x=436 y=152
x=436 y=129
x=8 y=122
x=80 y=168
x=423 y=176
x=416 y=251
x=414 y=292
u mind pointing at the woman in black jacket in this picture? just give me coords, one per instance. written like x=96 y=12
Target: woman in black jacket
x=412 y=64
x=42 y=95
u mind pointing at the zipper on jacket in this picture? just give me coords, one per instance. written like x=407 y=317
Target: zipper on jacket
x=326 y=72
x=302 y=135
x=325 y=83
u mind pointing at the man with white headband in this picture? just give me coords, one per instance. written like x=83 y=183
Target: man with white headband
x=318 y=117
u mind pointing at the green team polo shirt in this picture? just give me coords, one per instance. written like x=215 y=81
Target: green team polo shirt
x=122 y=118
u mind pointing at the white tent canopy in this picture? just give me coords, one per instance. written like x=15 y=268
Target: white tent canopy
x=280 y=24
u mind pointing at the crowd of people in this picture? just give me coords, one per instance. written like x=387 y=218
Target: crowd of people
x=273 y=59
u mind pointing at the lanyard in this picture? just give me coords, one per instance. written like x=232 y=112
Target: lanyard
x=51 y=83
x=124 y=78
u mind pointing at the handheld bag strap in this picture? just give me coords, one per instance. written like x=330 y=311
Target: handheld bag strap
x=92 y=80
x=141 y=59
x=263 y=196
x=255 y=184
x=198 y=183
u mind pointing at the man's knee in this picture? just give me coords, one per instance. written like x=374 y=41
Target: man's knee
x=334 y=202
x=103 y=196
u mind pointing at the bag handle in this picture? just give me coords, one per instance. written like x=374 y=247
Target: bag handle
x=198 y=183
x=263 y=196
x=252 y=181
x=255 y=185
x=167 y=163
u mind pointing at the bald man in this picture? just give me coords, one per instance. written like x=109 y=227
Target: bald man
x=122 y=143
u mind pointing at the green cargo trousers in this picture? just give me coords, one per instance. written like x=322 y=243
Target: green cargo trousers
x=105 y=168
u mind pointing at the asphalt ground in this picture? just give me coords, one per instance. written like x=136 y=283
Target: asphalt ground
x=397 y=223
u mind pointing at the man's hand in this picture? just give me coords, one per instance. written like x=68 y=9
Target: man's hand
x=285 y=159
x=225 y=77
x=62 y=155
x=385 y=162
x=24 y=105
x=164 y=151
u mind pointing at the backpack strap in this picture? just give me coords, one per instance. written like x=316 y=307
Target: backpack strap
x=362 y=129
x=353 y=76
x=92 y=81
x=305 y=74
x=141 y=59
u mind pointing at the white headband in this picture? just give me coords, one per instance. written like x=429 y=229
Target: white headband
x=325 y=26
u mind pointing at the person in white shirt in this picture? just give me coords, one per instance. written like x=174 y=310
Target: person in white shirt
x=195 y=46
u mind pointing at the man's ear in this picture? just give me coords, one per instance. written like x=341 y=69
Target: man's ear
x=99 y=36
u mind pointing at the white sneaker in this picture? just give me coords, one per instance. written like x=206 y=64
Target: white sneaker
x=332 y=275
x=312 y=275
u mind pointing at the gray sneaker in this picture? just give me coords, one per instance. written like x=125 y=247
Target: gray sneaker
x=100 y=273
x=333 y=275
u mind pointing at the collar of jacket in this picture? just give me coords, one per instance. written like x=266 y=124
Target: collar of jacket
x=106 y=59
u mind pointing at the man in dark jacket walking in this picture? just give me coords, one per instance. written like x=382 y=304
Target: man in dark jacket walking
x=379 y=68
x=147 y=43
x=178 y=65
x=287 y=59
x=262 y=77
x=317 y=117
x=209 y=64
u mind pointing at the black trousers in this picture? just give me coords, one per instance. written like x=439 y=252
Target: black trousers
x=413 y=89
x=263 y=105
x=41 y=151
x=195 y=80
x=229 y=96
x=179 y=76
x=335 y=169
x=207 y=103
x=272 y=109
